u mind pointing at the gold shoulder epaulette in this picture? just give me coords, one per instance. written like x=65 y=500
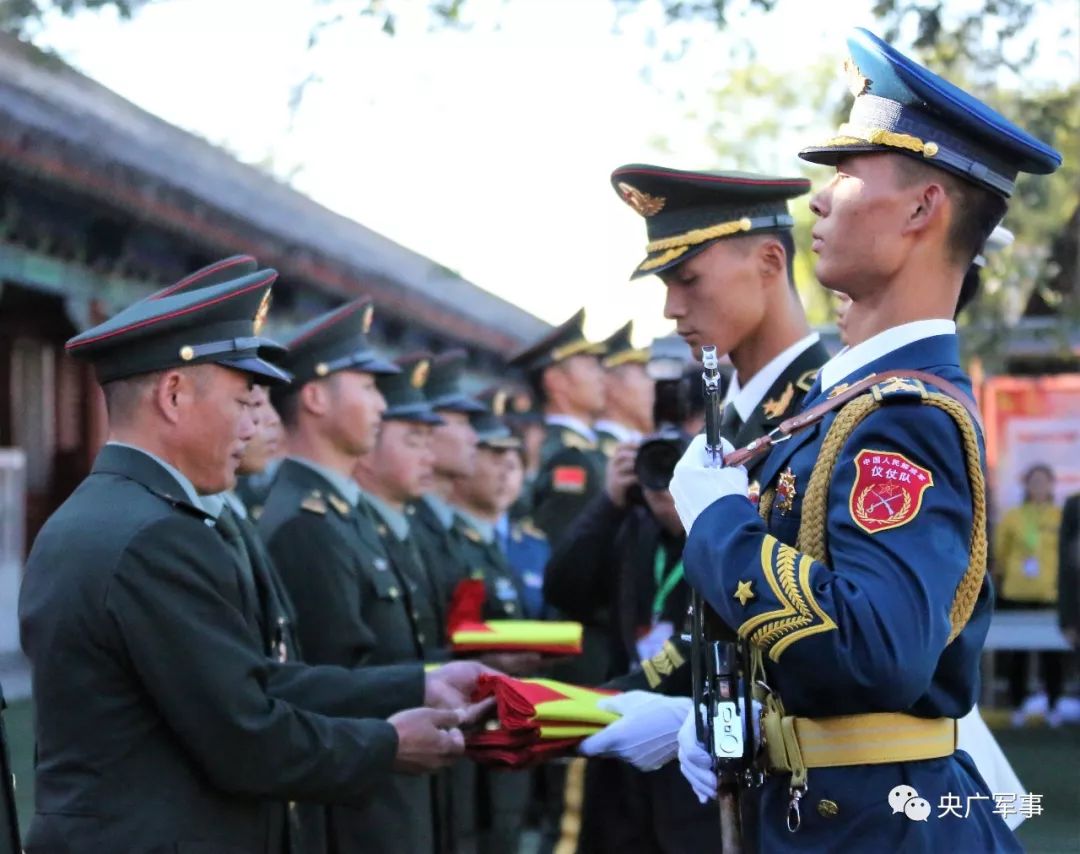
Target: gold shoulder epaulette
x=570 y=439
x=339 y=504
x=899 y=388
x=529 y=529
x=314 y=503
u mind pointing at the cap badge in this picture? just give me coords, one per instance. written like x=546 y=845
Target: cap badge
x=261 y=312
x=420 y=373
x=187 y=352
x=498 y=403
x=857 y=84
x=641 y=202
x=365 y=322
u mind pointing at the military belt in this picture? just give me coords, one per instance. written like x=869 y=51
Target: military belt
x=793 y=744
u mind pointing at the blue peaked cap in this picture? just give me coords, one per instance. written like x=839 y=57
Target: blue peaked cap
x=902 y=107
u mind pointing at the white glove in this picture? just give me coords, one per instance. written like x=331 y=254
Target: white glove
x=695 y=761
x=645 y=735
x=695 y=484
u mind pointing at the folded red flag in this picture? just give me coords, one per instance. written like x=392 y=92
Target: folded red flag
x=470 y=633
x=536 y=719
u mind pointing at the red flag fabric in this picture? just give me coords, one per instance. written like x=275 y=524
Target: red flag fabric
x=537 y=719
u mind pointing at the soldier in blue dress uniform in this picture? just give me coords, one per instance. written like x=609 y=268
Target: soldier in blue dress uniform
x=859 y=581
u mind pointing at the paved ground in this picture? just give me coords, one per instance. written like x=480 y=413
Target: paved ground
x=1047 y=761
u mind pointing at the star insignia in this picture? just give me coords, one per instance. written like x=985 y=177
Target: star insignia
x=744 y=593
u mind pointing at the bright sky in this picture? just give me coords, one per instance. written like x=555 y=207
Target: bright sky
x=487 y=150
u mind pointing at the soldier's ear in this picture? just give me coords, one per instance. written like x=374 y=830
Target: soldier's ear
x=771 y=258
x=928 y=209
x=168 y=392
x=315 y=397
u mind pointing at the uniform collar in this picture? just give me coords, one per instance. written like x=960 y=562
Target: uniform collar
x=443 y=511
x=485 y=529
x=395 y=520
x=621 y=432
x=746 y=399
x=188 y=488
x=346 y=486
x=213 y=504
x=234 y=502
x=851 y=359
x=571 y=422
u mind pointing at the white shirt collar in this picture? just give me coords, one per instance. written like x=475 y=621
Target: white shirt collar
x=747 y=398
x=621 y=432
x=570 y=422
x=444 y=511
x=850 y=359
x=233 y=500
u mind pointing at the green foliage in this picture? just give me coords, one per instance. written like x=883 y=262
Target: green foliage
x=16 y=16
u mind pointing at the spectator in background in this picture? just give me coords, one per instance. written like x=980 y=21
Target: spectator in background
x=1068 y=708
x=1026 y=557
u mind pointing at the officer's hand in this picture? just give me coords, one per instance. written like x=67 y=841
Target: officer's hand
x=646 y=735
x=514 y=663
x=452 y=685
x=695 y=485
x=428 y=739
x=620 y=473
x=695 y=761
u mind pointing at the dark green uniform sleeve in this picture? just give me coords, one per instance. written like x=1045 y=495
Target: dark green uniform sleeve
x=173 y=603
x=667 y=672
x=365 y=692
x=566 y=482
x=320 y=572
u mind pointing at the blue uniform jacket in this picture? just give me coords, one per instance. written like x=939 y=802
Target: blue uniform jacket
x=866 y=626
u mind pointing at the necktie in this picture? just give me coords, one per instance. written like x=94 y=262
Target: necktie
x=730 y=423
x=230 y=532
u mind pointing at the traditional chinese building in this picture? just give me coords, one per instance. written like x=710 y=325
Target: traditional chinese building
x=101 y=203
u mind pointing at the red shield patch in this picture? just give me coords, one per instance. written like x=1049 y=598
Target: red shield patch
x=568 y=479
x=888 y=490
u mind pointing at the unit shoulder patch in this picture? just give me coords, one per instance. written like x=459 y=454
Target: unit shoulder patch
x=888 y=490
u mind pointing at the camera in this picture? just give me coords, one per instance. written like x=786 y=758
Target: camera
x=655 y=462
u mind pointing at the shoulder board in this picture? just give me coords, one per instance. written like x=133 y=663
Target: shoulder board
x=897 y=389
x=570 y=439
x=608 y=444
x=804 y=382
x=526 y=528
x=339 y=504
x=314 y=503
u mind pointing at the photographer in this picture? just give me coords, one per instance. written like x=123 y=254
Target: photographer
x=624 y=556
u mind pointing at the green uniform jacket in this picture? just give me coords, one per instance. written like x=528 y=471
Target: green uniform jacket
x=355 y=607
x=161 y=724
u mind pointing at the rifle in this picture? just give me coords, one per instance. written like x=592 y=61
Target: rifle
x=718 y=665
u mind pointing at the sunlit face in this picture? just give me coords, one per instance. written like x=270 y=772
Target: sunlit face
x=514 y=481
x=861 y=213
x=214 y=425
x=582 y=380
x=454 y=445
x=486 y=487
x=266 y=444
x=629 y=389
x=403 y=462
x=356 y=411
x=716 y=297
